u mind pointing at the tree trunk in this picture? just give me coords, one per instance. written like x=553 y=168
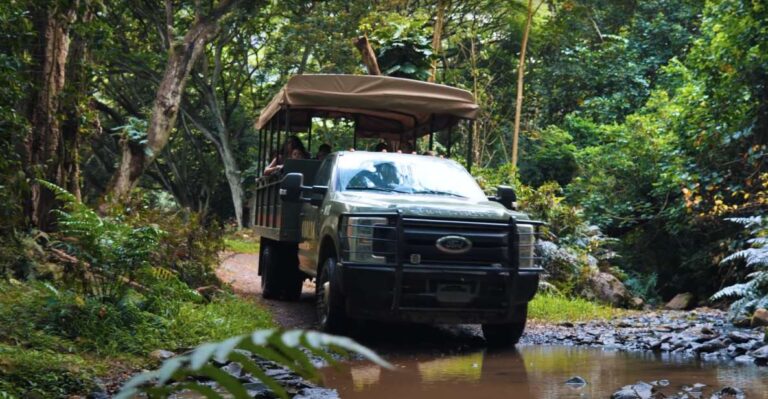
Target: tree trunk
x=369 y=57
x=437 y=33
x=182 y=57
x=45 y=149
x=520 y=73
x=476 y=142
x=232 y=172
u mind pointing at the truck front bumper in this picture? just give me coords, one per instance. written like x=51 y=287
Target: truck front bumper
x=436 y=294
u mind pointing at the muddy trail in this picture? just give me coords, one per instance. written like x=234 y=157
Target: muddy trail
x=690 y=354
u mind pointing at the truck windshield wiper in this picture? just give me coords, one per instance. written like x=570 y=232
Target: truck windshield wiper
x=437 y=192
x=383 y=189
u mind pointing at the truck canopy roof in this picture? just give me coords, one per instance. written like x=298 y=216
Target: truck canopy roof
x=381 y=106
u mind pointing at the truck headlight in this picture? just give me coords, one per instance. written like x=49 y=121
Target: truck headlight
x=526 y=234
x=367 y=239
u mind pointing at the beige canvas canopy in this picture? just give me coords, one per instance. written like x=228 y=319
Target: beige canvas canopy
x=381 y=106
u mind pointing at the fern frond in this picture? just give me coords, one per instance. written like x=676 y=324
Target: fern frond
x=736 y=290
x=162 y=273
x=748 y=221
x=283 y=347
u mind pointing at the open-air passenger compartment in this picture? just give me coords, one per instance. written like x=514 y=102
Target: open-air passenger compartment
x=380 y=107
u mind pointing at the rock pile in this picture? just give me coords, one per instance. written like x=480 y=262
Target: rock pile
x=655 y=390
x=702 y=333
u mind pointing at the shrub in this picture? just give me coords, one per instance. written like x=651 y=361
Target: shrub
x=105 y=252
x=191 y=244
x=753 y=293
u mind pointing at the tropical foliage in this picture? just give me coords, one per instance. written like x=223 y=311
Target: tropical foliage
x=752 y=294
x=286 y=348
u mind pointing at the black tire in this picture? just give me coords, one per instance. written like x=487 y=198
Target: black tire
x=506 y=334
x=268 y=270
x=331 y=314
x=279 y=268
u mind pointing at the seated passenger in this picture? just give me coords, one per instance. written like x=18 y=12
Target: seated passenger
x=381 y=147
x=323 y=152
x=291 y=144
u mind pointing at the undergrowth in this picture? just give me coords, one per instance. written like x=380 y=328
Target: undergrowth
x=556 y=309
x=241 y=242
x=55 y=342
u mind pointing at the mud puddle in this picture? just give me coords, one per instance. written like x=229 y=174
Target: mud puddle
x=538 y=372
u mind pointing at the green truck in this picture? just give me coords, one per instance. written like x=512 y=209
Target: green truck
x=390 y=236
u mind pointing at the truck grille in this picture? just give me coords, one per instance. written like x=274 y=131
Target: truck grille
x=491 y=242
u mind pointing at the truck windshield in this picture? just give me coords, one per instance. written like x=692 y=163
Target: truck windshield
x=405 y=173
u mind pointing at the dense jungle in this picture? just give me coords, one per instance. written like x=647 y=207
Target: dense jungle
x=637 y=130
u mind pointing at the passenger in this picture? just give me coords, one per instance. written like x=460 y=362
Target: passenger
x=291 y=143
x=430 y=153
x=297 y=153
x=381 y=147
x=323 y=152
x=406 y=148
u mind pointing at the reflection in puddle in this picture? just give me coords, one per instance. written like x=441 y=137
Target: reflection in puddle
x=535 y=372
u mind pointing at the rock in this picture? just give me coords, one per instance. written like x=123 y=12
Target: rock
x=257 y=390
x=234 y=369
x=711 y=346
x=742 y=322
x=605 y=287
x=760 y=318
x=625 y=393
x=739 y=336
x=576 y=381
x=682 y=301
x=761 y=353
x=744 y=359
x=640 y=390
x=161 y=354
x=730 y=393
x=317 y=393
x=636 y=302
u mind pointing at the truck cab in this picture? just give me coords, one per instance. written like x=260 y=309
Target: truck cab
x=397 y=237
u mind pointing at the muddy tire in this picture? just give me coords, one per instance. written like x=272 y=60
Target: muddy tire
x=507 y=334
x=331 y=314
x=279 y=269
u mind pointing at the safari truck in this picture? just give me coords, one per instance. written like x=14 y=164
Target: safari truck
x=390 y=236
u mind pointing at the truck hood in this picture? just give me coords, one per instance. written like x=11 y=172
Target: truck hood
x=419 y=205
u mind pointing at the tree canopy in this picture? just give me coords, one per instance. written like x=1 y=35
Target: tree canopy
x=652 y=116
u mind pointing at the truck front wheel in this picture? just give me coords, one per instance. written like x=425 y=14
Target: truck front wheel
x=330 y=302
x=506 y=334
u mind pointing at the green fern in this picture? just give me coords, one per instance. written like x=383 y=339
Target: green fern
x=285 y=348
x=753 y=293
x=109 y=250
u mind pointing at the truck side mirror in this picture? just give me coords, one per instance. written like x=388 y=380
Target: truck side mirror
x=318 y=194
x=290 y=187
x=506 y=196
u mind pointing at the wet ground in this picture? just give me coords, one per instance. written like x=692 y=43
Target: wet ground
x=537 y=372
x=451 y=362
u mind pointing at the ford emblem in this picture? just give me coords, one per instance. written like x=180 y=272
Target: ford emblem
x=453 y=244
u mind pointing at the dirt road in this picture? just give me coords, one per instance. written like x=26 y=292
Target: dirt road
x=241 y=272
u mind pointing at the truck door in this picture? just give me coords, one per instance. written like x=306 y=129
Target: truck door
x=310 y=221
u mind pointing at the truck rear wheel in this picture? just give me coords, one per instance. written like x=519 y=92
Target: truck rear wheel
x=279 y=269
x=330 y=303
x=506 y=334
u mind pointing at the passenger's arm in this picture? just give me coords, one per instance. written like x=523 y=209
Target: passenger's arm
x=272 y=168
